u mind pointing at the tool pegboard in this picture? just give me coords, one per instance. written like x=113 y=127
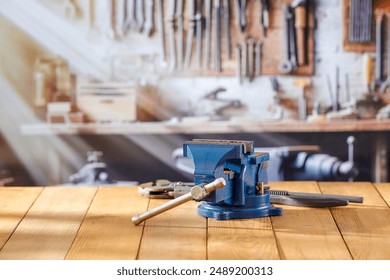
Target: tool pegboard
x=359 y=26
x=271 y=45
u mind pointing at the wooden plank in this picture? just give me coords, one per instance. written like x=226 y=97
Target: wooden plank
x=241 y=239
x=179 y=233
x=366 y=230
x=14 y=204
x=51 y=224
x=107 y=231
x=365 y=189
x=307 y=233
x=384 y=190
x=173 y=243
x=231 y=243
x=185 y=215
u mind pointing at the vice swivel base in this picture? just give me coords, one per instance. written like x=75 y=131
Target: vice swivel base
x=227 y=212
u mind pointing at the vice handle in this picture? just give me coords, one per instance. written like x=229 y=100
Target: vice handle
x=197 y=192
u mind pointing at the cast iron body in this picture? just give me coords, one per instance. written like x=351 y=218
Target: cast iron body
x=245 y=173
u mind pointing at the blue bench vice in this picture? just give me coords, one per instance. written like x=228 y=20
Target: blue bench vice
x=245 y=174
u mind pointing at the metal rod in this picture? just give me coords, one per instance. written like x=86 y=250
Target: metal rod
x=197 y=192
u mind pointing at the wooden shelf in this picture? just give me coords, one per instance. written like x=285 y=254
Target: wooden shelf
x=207 y=127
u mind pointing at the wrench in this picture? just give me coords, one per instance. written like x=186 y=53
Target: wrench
x=241 y=18
x=386 y=83
x=286 y=65
x=250 y=45
x=258 y=58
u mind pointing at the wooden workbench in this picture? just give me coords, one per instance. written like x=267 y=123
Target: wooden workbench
x=94 y=223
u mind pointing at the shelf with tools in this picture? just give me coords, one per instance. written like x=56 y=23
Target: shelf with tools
x=237 y=125
x=246 y=38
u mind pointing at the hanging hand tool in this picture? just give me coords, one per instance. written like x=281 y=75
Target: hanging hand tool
x=241 y=14
x=379 y=49
x=250 y=54
x=217 y=53
x=110 y=20
x=161 y=32
x=140 y=15
x=292 y=42
x=149 y=17
x=264 y=16
x=386 y=83
x=258 y=47
x=198 y=29
x=286 y=65
x=208 y=18
x=180 y=31
x=120 y=17
x=226 y=18
x=131 y=15
x=190 y=33
x=172 y=42
x=300 y=29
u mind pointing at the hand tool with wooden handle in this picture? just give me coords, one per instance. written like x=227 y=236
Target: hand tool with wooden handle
x=300 y=28
x=368 y=71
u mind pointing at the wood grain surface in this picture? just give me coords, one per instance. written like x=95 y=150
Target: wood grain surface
x=107 y=231
x=14 y=204
x=51 y=224
x=55 y=223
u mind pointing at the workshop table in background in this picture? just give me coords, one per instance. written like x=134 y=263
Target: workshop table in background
x=58 y=223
